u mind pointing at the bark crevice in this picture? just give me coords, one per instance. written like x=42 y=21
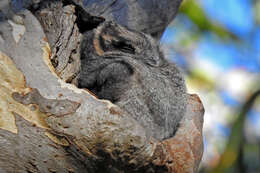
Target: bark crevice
x=95 y=135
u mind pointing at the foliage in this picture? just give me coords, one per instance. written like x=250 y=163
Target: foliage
x=217 y=43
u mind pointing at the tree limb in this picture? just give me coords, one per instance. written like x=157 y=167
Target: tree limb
x=57 y=127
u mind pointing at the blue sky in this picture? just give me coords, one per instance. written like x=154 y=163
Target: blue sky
x=236 y=15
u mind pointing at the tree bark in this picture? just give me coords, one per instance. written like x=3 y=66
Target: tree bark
x=48 y=124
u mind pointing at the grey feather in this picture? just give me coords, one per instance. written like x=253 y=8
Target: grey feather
x=129 y=69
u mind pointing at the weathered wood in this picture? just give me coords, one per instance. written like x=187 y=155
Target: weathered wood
x=149 y=16
x=93 y=118
x=63 y=35
x=57 y=127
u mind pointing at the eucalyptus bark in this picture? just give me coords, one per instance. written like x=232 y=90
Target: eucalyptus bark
x=49 y=125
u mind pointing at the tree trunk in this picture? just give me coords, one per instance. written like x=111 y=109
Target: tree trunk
x=47 y=124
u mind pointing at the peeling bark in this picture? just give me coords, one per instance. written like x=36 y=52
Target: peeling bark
x=47 y=106
x=48 y=125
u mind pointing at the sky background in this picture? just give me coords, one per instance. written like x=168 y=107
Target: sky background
x=217 y=44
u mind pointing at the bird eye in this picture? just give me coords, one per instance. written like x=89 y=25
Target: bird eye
x=124 y=47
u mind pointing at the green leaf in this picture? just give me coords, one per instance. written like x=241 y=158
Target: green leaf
x=195 y=12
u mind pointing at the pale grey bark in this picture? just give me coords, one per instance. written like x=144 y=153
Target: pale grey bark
x=94 y=135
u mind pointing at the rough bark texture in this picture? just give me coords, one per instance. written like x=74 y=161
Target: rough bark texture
x=48 y=125
x=149 y=16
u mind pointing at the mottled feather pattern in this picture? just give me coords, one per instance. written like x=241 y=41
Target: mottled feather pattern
x=129 y=69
